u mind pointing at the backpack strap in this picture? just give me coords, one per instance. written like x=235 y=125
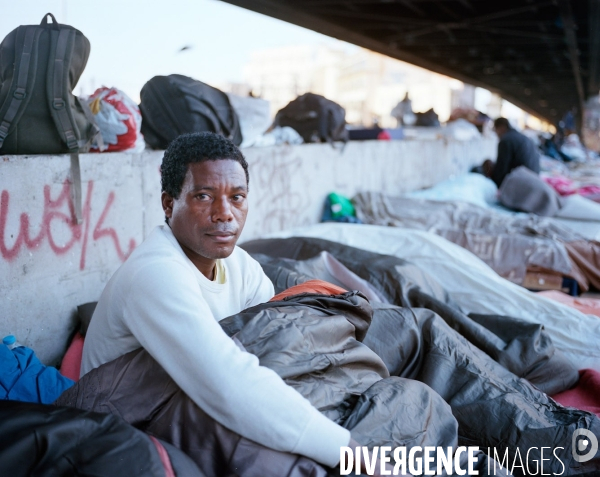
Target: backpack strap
x=60 y=110
x=19 y=97
x=76 y=195
x=57 y=96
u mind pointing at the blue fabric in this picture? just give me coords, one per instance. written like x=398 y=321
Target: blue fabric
x=24 y=378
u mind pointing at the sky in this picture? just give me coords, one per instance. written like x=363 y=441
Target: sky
x=134 y=40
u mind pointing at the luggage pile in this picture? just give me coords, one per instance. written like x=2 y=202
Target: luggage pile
x=40 y=66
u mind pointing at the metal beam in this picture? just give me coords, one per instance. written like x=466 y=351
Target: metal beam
x=469 y=23
x=523 y=44
x=318 y=3
x=363 y=16
x=571 y=41
x=408 y=4
x=447 y=10
x=594 y=47
x=410 y=35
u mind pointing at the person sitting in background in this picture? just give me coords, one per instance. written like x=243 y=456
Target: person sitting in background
x=514 y=150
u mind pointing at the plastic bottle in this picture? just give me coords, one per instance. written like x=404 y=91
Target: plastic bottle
x=11 y=341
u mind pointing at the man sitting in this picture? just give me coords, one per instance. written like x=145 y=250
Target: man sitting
x=514 y=150
x=186 y=276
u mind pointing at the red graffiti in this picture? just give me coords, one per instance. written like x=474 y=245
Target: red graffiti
x=54 y=210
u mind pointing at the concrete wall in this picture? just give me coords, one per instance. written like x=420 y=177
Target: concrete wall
x=49 y=264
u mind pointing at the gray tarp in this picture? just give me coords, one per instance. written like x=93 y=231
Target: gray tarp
x=511 y=245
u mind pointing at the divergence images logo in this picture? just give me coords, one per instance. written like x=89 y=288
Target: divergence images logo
x=580 y=445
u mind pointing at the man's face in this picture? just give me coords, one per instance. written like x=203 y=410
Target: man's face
x=209 y=215
x=500 y=130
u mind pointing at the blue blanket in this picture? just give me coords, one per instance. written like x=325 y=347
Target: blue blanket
x=24 y=378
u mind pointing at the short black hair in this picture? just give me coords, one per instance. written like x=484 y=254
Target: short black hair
x=191 y=148
x=502 y=122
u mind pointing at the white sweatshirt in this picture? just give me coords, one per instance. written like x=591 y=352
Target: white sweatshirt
x=160 y=301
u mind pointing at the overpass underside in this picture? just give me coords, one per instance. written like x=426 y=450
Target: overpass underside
x=540 y=55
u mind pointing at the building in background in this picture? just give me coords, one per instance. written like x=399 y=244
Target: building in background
x=367 y=84
x=370 y=85
x=281 y=74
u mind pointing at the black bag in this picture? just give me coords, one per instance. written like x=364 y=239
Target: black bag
x=364 y=134
x=176 y=104
x=43 y=440
x=39 y=67
x=316 y=118
x=429 y=119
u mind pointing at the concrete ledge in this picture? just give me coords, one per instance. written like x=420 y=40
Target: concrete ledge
x=49 y=264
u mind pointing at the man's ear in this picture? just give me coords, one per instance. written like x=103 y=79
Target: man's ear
x=167 y=204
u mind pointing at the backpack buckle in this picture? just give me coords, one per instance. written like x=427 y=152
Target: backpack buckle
x=58 y=104
x=71 y=139
x=19 y=94
x=4 y=129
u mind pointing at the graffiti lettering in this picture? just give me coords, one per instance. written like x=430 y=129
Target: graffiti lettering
x=62 y=211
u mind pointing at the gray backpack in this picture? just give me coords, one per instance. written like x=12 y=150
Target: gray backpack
x=39 y=66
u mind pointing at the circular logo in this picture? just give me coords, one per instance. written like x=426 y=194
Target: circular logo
x=580 y=445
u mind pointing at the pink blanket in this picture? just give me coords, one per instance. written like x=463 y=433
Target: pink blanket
x=589 y=306
x=585 y=395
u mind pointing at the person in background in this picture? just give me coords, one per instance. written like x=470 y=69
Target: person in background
x=514 y=150
x=403 y=112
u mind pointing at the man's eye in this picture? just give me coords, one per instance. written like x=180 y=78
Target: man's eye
x=239 y=197
x=202 y=196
